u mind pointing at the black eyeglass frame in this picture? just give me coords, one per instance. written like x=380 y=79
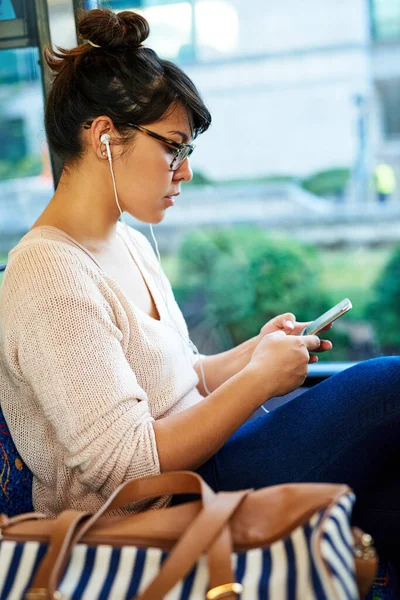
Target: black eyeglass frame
x=185 y=149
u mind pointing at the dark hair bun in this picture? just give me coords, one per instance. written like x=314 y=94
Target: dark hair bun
x=110 y=30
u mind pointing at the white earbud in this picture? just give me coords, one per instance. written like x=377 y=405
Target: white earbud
x=105 y=139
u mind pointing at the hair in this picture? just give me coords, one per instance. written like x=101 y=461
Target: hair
x=121 y=79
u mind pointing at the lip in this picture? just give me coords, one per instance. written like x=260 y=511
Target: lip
x=170 y=199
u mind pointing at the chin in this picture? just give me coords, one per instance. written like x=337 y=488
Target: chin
x=157 y=218
x=153 y=219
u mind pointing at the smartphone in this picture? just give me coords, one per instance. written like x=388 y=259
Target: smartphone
x=328 y=317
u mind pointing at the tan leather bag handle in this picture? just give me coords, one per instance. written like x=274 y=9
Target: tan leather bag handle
x=134 y=490
x=55 y=558
x=6 y=521
x=209 y=527
x=184 y=482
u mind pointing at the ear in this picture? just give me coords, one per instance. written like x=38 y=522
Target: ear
x=100 y=126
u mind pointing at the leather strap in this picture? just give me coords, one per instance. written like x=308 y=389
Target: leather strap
x=210 y=523
x=134 y=490
x=219 y=559
x=6 y=521
x=67 y=536
x=56 y=555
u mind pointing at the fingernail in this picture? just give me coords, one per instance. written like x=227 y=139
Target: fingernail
x=289 y=324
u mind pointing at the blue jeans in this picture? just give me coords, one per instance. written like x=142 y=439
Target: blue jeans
x=346 y=429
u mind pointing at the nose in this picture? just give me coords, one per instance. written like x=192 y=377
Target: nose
x=184 y=172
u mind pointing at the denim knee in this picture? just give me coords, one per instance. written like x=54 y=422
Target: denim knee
x=378 y=373
x=372 y=384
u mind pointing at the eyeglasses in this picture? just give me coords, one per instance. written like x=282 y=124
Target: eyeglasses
x=183 y=151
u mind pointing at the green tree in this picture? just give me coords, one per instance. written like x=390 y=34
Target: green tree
x=239 y=278
x=384 y=308
x=331 y=182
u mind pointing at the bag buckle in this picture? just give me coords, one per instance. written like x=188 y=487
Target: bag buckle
x=221 y=591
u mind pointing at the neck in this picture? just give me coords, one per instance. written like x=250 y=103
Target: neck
x=84 y=207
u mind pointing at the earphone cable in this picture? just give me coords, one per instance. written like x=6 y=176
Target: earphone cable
x=191 y=344
x=106 y=140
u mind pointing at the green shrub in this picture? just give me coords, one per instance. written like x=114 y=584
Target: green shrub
x=28 y=166
x=384 y=309
x=6 y=168
x=331 y=182
x=240 y=278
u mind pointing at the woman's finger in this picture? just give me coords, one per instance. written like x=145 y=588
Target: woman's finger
x=312 y=342
x=325 y=346
x=287 y=322
x=300 y=327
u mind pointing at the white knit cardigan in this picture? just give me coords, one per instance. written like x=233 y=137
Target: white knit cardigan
x=84 y=372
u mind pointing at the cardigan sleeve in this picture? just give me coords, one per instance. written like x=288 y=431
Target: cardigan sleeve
x=68 y=332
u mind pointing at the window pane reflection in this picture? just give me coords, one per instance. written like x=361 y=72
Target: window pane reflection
x=26 y=181
x=295 y=200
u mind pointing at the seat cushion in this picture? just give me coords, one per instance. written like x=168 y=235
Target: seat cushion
x=385 y=586
x=15 y=477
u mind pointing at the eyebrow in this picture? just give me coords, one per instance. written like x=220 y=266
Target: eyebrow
x=184 y=136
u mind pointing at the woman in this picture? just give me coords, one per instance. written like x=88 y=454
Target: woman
x=98 y=379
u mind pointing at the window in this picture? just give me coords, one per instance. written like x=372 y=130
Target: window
x=17 y=23
x=285 y=211
x=386 y=20
x=26 y=182
x=12 y=9
x=287 y=172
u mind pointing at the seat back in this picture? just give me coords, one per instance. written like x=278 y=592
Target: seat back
x=15 y=477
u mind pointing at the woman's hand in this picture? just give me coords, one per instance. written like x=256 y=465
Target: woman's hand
x=280 y=361
x=288 y=324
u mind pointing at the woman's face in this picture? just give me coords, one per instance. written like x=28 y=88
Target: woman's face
x=145 y=183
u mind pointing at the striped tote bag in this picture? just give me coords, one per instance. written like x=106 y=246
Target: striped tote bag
x=290 y=541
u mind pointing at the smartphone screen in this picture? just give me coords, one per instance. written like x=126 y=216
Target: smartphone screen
x=328 y=317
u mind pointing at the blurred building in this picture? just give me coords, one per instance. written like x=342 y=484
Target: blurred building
x=310 y=86
x=294 y=87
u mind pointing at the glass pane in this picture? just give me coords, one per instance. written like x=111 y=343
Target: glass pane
x=26 y=182
x=13 y=9
x=17 y=26
x=7 y=11
x=294 y=202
